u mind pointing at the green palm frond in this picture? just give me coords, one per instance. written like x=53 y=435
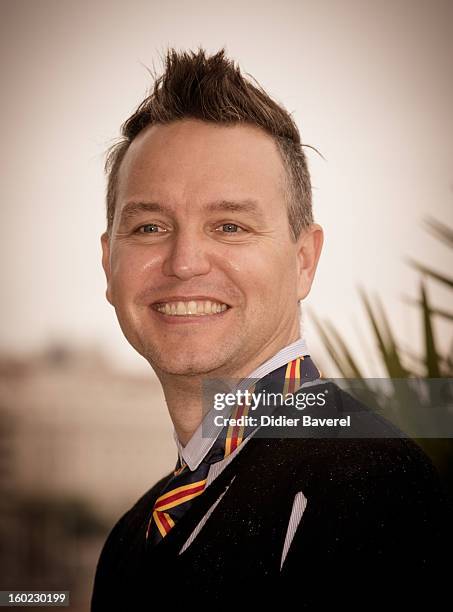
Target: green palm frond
x=409 y=409
x=440 y=231
x=347 y=355
x=432 y=273
x=396 y=361
x=338 y=358
x=443 y=314
x=384 y=337
x=432 y=361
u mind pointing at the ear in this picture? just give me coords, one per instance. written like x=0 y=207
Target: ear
x=309 y=246
x=105 y=242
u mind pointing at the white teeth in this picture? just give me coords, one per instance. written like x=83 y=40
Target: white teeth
x=198 y=308
x=181 y=308
x=192 y=308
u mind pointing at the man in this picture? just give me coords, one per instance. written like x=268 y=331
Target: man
x=210 y=248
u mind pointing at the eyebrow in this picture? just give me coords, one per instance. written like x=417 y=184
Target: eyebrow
x=133 y=209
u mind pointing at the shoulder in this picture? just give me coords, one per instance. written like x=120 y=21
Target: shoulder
x=381 y=496
x=122 y=550
x=368 y=439
x=133 y=519
x=390 y=466
x=372 y=503
x=370 y=456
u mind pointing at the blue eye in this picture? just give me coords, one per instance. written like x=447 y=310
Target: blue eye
x=149 y=228
x=230 y=227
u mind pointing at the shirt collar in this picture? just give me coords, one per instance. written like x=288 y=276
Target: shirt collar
x=199 y=444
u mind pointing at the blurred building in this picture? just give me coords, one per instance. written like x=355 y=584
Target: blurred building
x=72 y=425
x=79 y=443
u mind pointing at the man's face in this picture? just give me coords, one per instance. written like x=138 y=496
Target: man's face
x=200 y=264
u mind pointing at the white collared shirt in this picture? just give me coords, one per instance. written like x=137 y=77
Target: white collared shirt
x=200 y=443
x=202 y=440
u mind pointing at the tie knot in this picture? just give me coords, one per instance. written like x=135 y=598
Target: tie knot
x=216 y=453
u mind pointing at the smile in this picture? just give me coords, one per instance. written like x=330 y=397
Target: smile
x=199 y=308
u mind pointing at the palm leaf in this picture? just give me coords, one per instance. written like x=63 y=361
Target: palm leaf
x=440 y=230
x=431 y=355
x=432 y=273
x=396 y=367
x=385 y=339
x=347 y=356
x=434 y=311
x=338 y=359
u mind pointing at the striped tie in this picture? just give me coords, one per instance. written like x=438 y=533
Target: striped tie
x=185 y=485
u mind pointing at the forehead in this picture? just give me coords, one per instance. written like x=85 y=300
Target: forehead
x=196 y=161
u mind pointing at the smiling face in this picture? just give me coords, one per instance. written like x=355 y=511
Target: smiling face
x=200 y=264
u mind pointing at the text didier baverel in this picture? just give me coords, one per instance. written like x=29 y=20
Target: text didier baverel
x=281 y=421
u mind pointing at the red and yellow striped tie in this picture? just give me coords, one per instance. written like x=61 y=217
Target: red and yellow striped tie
x=185 y=485
x=177 y=498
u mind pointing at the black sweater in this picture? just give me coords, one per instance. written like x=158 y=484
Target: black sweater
x=375 y=529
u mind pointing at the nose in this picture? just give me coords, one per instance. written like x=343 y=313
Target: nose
x=187 y=256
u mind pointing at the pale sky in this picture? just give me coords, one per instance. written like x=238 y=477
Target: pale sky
x=369 y=85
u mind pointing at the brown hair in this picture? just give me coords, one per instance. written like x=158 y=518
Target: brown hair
x=213 y=89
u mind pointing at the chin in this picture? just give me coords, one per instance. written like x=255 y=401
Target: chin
x=183 y=369
x=182 y=364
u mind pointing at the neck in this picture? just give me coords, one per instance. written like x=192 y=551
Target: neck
x=183 y=393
